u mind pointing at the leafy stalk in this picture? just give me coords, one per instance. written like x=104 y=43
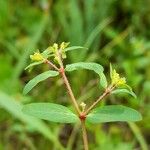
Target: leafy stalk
x=67 y=84
x=84 y=132
x=59 y=113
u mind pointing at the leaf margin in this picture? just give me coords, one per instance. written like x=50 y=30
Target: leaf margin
x=39 y=110
x=106 y=117
x=39 y=78
x=85 y=65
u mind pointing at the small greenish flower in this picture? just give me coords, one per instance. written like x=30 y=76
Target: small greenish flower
x=37 y=56
x=55 y=46
x=122 y=81
x=83 y=105
x=116 y=79
x=53 y=49
x=63 y=45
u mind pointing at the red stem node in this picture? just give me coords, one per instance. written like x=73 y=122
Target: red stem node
x=82 y=116
x=61 y=70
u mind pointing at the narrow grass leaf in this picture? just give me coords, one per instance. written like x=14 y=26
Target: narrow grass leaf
x=30 y=48
x=97 y=68
x=14 y=107
x=113 y=113
x=41 y=77
x=51 y=112
x=97 y=31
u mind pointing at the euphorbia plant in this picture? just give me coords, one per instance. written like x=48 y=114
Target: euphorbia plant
x=54 y=56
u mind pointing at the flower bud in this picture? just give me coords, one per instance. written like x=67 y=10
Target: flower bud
x=36 y=56
x=63 y=45
x=116 y=79
x=83 y=105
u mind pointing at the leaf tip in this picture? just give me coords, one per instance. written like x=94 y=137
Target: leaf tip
x=24 y=92
x=140 y=117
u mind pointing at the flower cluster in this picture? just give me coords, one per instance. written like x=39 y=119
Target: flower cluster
x=59 y=48
x=37 y=56
x=51 y=51
x=116 y=79
x=56 y=51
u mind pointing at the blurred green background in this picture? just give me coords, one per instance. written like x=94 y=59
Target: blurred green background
x=115 y=31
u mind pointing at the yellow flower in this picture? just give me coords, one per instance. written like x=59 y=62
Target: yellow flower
x=63 y=45
x=37 y=57
x=83 y=105
x=53 y=49
x=55 y=46
x=116 y=79
x=122 y=81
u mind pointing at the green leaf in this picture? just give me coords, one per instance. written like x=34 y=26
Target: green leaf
x=103 y=80
x=41 y=77
x=51 y=112
x=89 y=66
x=34 y=64
x=127 y=87
x=47 y=53
x=74 y=48
x=113 y=113
x=117 y=91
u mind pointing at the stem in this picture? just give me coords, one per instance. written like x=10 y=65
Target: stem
x=70 y=92
x=84 y=135
x=107 y=91
x=52 y=65
x=62 y=72
x=66 y=82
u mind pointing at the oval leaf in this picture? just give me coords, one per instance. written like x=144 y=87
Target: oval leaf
x=89 y=66
x=41 y=77
x=117 y=91
x=113 y=113
x=51 y=112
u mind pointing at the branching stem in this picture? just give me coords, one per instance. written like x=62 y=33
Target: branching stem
x=66 y=82
x=107 y=91
x=52 y=65
x=84 y=133
x=82 y=115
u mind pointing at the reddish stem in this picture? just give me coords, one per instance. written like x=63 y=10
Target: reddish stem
x=66 y=82
x=107 y=91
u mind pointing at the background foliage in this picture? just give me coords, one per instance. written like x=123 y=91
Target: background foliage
x=115 y=31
